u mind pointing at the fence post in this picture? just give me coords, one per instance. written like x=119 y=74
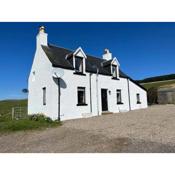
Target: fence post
x=13 y=113
x=20 y=112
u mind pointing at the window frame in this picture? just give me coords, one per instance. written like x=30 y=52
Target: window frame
x=81 y=64
x=119 y=91
x=44 y=96
x=84 y=93
x=138 y=98
x=116 y=73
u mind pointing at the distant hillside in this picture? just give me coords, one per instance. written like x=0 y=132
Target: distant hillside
x=157 y=81
x=158 y=84
x=6 y=105
x=158 y=78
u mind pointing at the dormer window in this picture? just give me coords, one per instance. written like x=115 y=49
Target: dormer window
x=112 y=66
x=114 y=71
x=79 y=64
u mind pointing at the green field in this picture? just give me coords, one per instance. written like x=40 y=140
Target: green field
x=157 y=84
x=27 y=123
x=7 y=105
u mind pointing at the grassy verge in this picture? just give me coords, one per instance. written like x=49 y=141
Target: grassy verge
x=9 y=125
x=28 y=123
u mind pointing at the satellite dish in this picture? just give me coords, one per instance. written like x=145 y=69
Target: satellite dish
x=57 y=72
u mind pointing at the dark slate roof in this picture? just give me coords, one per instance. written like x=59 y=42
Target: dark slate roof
x=57 y=56
x=106 y=63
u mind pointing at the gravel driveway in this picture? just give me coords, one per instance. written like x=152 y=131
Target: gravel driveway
x=150 y=130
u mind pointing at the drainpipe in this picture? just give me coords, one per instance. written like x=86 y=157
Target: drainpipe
x=129 y=94
x=90 y=87
x=59 y=99
x=97 y=92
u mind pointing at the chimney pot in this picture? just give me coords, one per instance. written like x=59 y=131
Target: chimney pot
x=106 y=51
x=41 y=37
x=107 y=55
x=42 y=29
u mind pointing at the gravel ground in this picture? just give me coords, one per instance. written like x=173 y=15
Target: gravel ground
x=150 y=130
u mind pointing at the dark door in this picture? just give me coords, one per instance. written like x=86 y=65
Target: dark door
x=104 y=99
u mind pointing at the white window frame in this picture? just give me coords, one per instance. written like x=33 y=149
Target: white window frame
x=81 y=67
x=114 y=71
x=82 y=89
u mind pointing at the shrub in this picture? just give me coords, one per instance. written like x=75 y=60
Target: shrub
x=40 y=117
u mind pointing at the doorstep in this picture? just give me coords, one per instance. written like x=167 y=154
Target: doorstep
x=106 y=113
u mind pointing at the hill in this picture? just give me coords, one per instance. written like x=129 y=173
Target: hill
x=157 y=78
x=157 y=81
x=7 y=105
x=157 y=84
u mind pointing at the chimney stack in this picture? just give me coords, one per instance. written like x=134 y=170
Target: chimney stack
x=107 y=55
x=41 y=29
x=41 y=37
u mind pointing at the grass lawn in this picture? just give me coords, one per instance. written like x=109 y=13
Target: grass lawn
x=157 y=84
x=9 y=125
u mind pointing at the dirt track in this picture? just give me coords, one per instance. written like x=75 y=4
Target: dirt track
x=148 y=130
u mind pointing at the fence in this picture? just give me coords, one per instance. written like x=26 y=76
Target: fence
x=19 y=112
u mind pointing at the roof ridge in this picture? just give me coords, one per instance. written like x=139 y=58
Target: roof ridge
x=49 y=44
x=72 y=50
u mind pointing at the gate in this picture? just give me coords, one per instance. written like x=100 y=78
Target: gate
x=19 y=112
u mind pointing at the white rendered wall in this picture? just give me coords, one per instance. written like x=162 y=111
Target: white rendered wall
x=68 y=98
x=43 y=78
x=134 y=89
x=68 y=87
x=106 y=82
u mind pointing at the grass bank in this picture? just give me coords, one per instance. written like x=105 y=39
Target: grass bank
x=28 y=123
x=41 y=122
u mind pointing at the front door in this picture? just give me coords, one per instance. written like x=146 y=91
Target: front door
x=104 y=99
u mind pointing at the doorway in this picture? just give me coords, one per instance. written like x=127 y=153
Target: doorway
x=104 y=99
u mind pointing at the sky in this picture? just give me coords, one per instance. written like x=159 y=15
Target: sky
x=143 y=49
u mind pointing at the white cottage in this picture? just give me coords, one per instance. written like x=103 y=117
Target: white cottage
x=65 y=84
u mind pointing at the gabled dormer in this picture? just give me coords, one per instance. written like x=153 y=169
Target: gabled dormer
x=77 y=59
x=115 y=68
x=111 y=64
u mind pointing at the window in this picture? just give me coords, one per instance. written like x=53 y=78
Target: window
x=81 y=96
x=119 y=97
x=114 y=70
x=44 y=96
x=138 y=98
x=79 y=64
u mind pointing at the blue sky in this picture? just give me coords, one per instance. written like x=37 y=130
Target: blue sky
x=143 y=49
